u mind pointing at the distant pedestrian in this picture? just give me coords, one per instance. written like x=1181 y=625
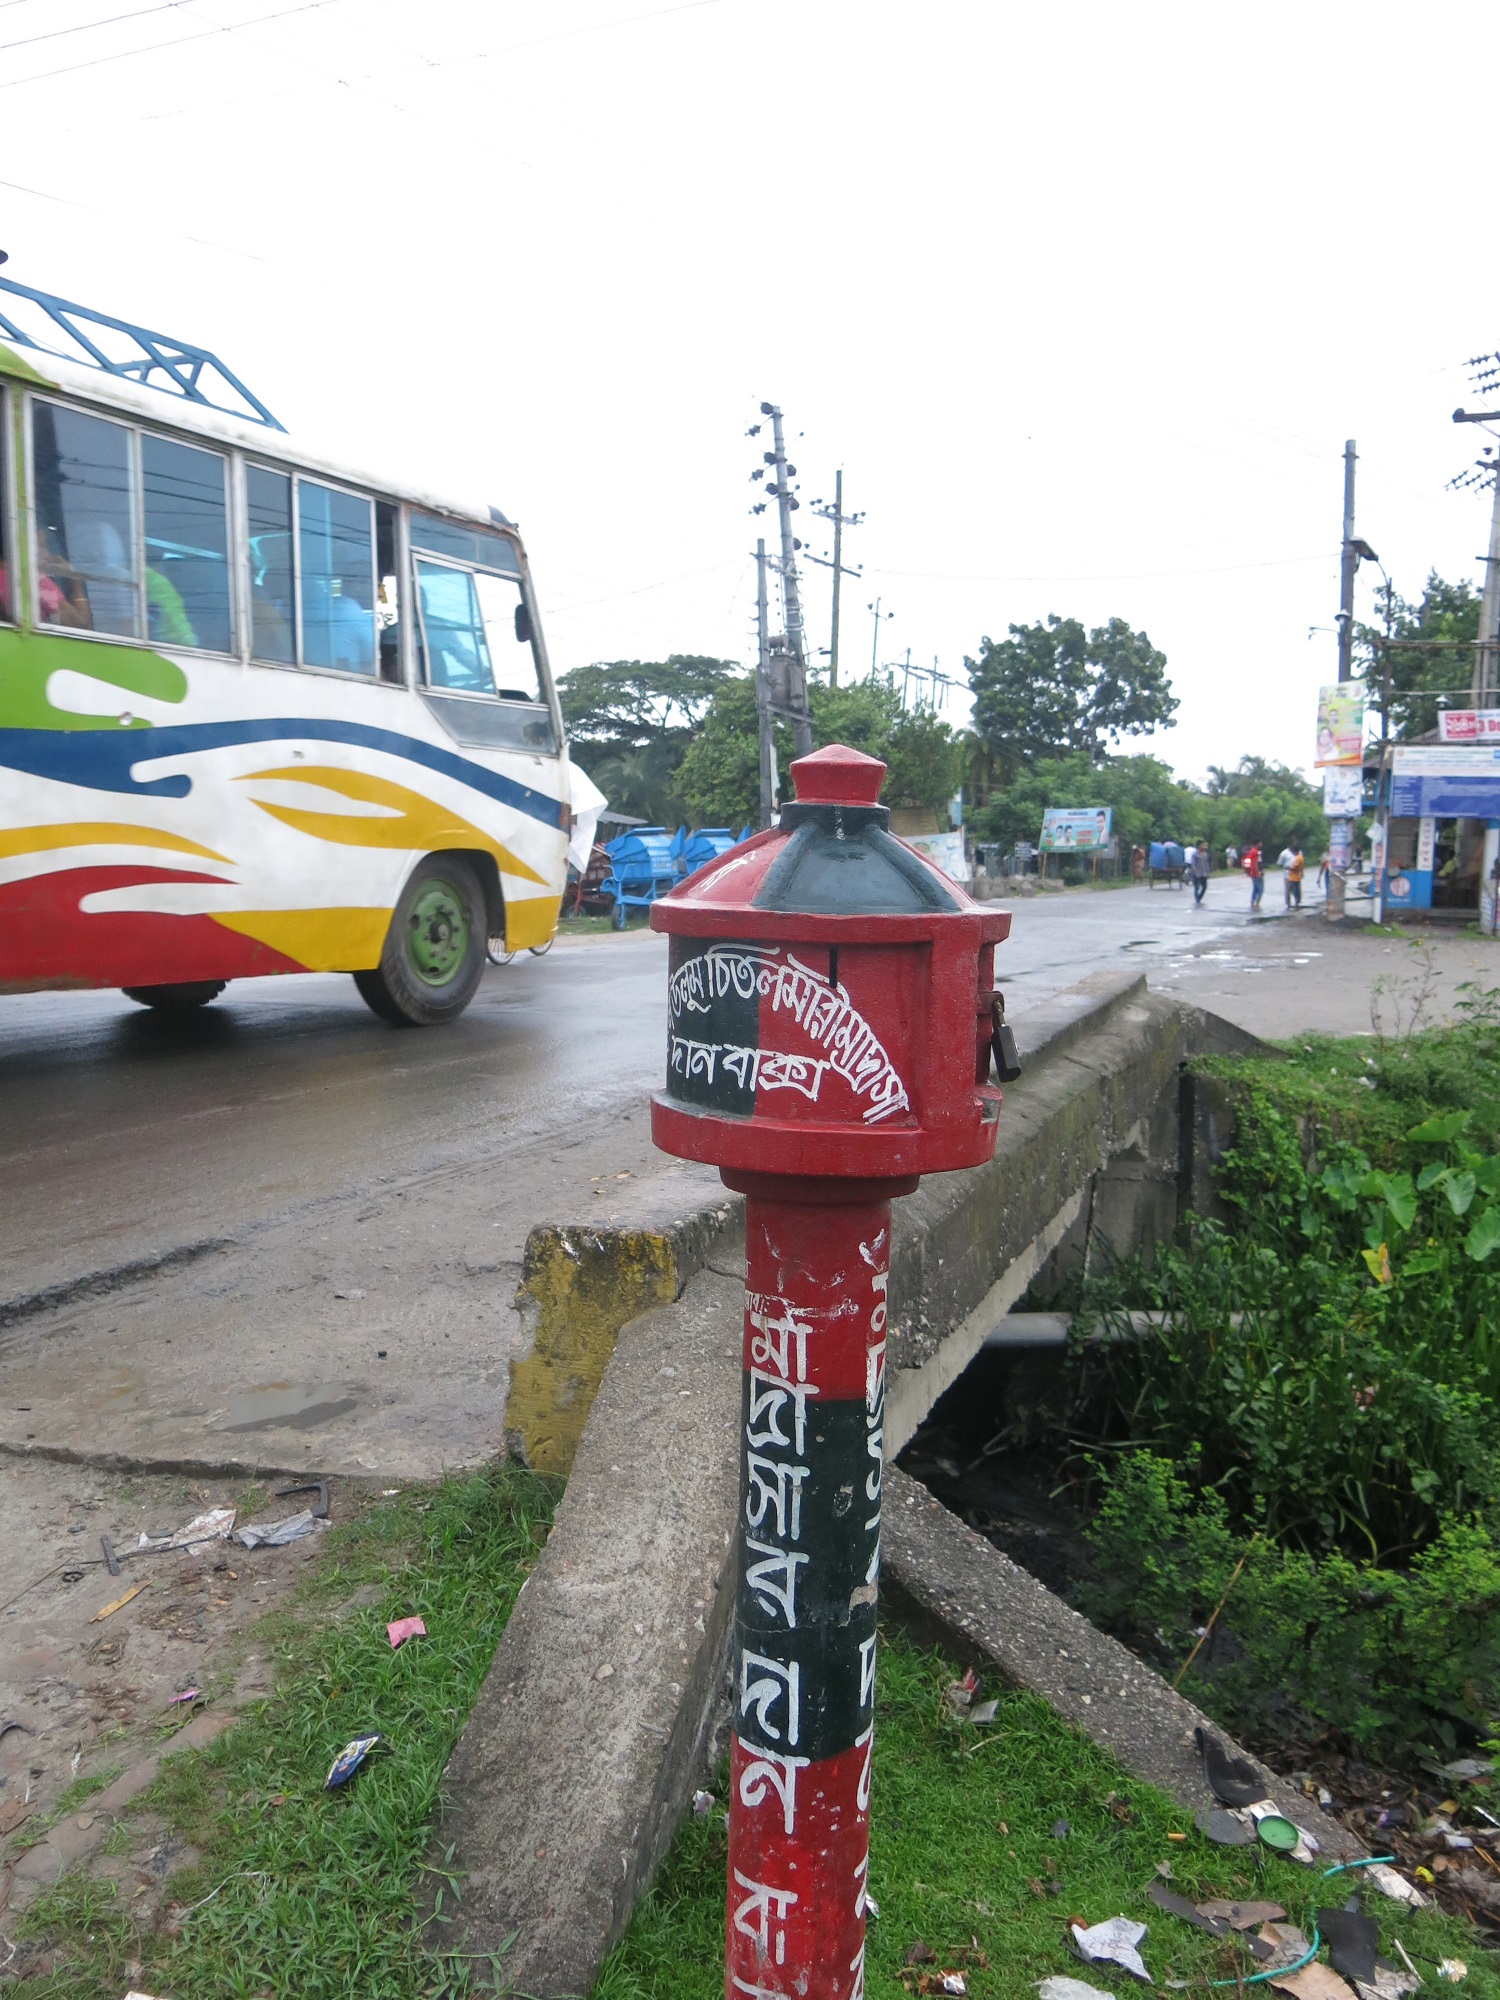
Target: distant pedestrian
x=1137 y=863
x=1295 y=869
x=1284 y=862
x=1323 y=872
x=1231 y=856
x=1199 y=866
x=1255 y=867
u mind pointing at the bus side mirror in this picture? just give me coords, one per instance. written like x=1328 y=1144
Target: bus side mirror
x=523 y=624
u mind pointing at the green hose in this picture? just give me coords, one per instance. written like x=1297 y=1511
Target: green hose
x=1281 y=1971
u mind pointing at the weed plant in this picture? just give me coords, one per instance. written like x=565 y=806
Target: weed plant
x=1317 y=1417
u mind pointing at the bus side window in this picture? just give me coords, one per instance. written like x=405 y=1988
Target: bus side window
x=516 y=675
x=7 y=613
x=187 y=544
x=85 y=522
x=388 y=599
x=268 y=522
x=336 y=572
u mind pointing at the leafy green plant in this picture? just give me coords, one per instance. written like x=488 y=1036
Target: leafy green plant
x=1318 y=1400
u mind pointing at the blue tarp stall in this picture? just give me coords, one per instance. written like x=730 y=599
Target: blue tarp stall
x=1432 y=782
x=707 y=844
x=642 y=866
x=1168 y=863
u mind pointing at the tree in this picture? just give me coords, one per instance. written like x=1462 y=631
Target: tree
x=1447 y=612
x=720 y=774
x=630 y=722
x=1053 y=688
x=1264 y=802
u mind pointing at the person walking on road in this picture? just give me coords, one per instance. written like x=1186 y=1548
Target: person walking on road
x=1231 y=856
x=1255 y=867
x=1295 y=869
x=1284 y=863
x=1198 y=867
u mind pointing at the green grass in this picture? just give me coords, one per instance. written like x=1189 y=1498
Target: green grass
x=303 y=1894
x=962 y=1849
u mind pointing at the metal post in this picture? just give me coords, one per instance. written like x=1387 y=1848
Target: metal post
x=813 y=1400
x=875 y=637
x=1486 y=682
x=796 y=637
x=838 y=559
x=762 y=685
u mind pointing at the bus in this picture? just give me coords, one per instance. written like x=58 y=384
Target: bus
x=259 y=712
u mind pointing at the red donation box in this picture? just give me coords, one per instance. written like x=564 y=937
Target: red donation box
x=831 y=1023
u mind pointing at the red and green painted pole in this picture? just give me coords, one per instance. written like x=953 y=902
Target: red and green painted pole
x=830 y=1025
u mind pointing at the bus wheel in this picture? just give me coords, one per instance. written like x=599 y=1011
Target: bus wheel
x=435 y=948
x=176 y=999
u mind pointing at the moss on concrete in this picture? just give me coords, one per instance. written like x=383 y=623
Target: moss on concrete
x=578 y=1288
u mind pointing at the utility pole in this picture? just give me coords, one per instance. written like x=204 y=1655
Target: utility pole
x=781 y=492
x=875 y=636
x=840 y=521
x=1338 y=829
x=1349 y=562
x=1484 y=373
x=762 y=684
x=1486 y=682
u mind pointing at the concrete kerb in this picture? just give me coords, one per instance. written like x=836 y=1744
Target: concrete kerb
x=563 y=1791
x=955 y=1586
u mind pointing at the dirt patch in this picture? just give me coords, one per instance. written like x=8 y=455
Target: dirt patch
x=94 y=1690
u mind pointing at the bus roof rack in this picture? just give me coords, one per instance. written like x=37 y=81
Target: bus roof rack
x=134 y=353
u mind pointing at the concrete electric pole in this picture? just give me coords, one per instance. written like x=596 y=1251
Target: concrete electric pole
x=763 y=686
x=840 y=521
x=1349 y=563
x=1338 y=829
x=780 y=491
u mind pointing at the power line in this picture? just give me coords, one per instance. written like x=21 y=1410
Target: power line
x=405 y=69
x=84 y=27
x=176 y=42
x=1093 y=576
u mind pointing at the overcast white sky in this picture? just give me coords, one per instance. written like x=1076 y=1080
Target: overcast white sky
x=1084 y=298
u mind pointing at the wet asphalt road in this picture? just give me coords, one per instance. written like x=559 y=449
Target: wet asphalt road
x=122 y=1135
x=348 y=1204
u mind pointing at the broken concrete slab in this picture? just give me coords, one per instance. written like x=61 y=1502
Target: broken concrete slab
x=950 y=1580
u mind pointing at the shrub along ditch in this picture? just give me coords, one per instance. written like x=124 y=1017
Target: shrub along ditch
x=1315 y=1426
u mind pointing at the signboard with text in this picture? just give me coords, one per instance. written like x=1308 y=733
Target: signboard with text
x=1469 y=725
x=1076 y=829
x=1445 y=781
x=1343 y=791
x=1341 y=724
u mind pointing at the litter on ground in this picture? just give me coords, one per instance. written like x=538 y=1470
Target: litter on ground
x=1394 y=1885
x=277 y=1534
x=1113 y=1942
x=405 y=1628
x=1060 y=1988
x=349 y=1760
x=1313 y=1982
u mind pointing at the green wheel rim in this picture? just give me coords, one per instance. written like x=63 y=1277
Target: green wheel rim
x=437 y=933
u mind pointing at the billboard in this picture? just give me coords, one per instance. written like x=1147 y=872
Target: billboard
x=1343 y=791
x=1469 y=725
x=1341 y=724
x=1445 y=781
x=1076 y=829
x=945 y=851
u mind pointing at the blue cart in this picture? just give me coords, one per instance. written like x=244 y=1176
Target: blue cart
x=643 y=864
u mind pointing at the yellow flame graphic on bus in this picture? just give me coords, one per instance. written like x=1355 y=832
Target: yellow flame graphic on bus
x=420 y=825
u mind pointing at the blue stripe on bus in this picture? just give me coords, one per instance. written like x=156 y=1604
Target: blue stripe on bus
x=102 y=759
